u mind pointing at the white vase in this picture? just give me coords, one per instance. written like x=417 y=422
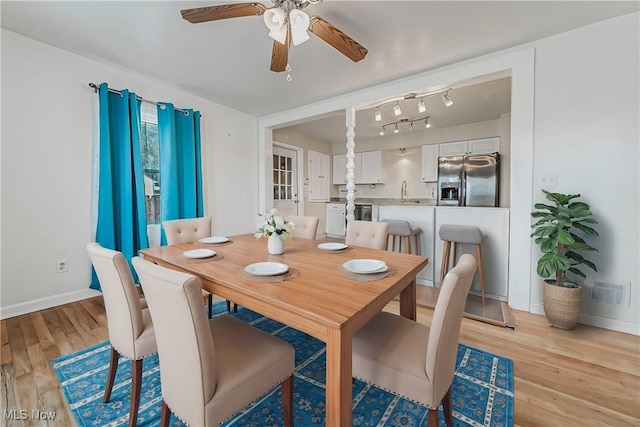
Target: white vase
x=275 y=244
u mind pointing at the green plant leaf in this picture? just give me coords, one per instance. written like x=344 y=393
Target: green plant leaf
x=585 y=229
x=565 y=238
x=547 y=245
x=577 y=272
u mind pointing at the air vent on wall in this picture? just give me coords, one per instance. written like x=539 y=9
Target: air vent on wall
x=611 y=293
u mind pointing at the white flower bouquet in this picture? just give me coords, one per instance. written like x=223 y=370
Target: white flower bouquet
x=274 y=223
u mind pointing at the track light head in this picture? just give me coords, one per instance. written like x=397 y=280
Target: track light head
x=447 y=101
x=382 y=131
x=396 y=109
x=395 y=129
x=421 y=107
x=378 y=115
x=426 y=123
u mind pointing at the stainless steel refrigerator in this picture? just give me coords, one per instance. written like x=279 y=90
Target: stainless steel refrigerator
x=472 y=180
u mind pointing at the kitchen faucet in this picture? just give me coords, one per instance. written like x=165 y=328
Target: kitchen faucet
x=403 y=192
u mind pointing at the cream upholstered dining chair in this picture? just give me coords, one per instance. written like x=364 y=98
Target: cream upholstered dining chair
x=370 y=234
x=130 y=328
x=414 y=360
x=304 y=227
x=189 y=230
x=209 y=370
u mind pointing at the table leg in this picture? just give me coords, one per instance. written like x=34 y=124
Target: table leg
x=339 y=377
x=408 y=301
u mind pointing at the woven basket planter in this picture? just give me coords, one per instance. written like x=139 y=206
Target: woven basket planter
x=562 y=305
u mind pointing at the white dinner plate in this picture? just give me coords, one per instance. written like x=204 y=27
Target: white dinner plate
x=266 y=268
x=332 y=246
x=365 y=266
x=199 y=253
x=214 y=239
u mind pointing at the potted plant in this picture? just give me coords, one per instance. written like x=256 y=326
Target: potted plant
x=276 y=227
x=558 y=232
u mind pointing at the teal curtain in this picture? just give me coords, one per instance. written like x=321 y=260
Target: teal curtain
x=180 y=164
x=122 y=223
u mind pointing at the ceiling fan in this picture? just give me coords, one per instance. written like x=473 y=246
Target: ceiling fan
x=287 y=23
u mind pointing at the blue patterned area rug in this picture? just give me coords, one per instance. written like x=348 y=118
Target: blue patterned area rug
x=482 y=393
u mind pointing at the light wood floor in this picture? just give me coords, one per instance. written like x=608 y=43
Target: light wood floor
x=583 y=377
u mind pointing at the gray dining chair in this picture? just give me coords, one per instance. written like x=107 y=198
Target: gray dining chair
x=210 y=368
x=304 y=227
x=414 y=360
x=131 y=331
x=189 y=230
x=369 y=234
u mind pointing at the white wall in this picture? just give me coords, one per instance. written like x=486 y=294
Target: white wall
x=586 y=137
x=47 y=136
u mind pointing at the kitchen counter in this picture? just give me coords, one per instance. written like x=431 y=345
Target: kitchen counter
x=388 y=202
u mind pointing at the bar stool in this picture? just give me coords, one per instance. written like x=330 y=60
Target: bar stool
x=402 y=229
x=460 y=234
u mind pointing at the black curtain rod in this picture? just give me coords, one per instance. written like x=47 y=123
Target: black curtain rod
x=96 y=88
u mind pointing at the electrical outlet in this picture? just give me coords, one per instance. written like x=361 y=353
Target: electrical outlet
x=549 y=182
x=62 y=266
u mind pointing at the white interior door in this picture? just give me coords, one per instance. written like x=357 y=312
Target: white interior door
x=285 y=181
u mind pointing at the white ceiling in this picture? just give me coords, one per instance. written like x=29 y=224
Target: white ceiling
x=228 y=61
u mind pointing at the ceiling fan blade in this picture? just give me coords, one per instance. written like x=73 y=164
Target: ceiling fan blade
x=336 y=38
x=280 y=56
x=225 y=11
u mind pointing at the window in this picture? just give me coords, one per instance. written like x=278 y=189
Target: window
x=151 y=166
x=282 y=177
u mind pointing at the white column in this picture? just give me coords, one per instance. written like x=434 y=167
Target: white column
x=350 y=114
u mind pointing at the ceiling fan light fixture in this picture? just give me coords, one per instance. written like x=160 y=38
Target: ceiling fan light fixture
x=447 y=101
x=299 y=22
x=275 y=20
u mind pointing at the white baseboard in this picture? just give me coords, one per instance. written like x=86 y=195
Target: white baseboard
x=47 y=302
x=598 y=321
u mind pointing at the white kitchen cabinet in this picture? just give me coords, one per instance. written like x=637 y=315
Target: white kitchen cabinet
x=335 y=225
x=318 y=176
x=430 y=163
x=457 y=148
x=368 y=168
x=339 y=173
x=472 y=146
x=484 y=145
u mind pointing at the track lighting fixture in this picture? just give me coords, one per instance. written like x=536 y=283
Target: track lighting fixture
x=421 y=107
x=418 y=98
x=396 y=125
x=445 y=98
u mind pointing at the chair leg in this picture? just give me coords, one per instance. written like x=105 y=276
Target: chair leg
x=287 y=401
x=113 y=367
x=210 y=305
x=136 y=382
x=432 y=420
x=165 y=414
x=446 y=408
x=480 y=272
x=444 y=265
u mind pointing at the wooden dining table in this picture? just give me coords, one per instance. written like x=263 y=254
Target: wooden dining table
x=319 y=298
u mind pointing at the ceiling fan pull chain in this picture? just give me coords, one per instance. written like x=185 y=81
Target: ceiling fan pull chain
x=288 y=70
